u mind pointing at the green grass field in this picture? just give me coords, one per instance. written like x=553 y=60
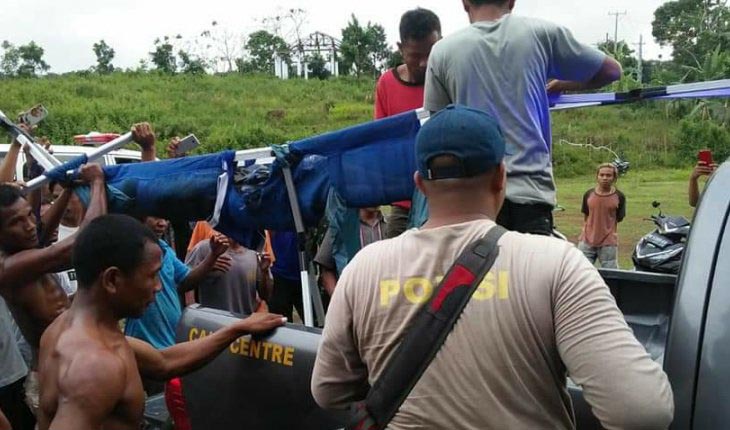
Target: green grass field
x=641 y=188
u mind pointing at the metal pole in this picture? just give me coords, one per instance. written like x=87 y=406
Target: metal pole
x=299 y=225
x=93 y=156
x=615 y=30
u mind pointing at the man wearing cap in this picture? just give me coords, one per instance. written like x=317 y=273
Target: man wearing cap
x=501 y=63
x=542 y=311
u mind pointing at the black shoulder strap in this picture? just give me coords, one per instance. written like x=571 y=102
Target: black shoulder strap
x=427 y=333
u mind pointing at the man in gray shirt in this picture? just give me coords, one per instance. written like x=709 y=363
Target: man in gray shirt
x=502 y=63
x=242 y=287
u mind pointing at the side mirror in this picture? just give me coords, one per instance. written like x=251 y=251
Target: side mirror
x=655 y=204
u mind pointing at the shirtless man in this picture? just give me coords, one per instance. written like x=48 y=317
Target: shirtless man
x=26 y=284
x=27 y=273
x=89 y=372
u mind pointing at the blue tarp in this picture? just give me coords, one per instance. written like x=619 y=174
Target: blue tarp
x=367 y=165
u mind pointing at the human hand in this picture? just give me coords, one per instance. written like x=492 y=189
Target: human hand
x=554 y=87
x=172 y=148
x=703 y=169
x=27 y=129
x=91 y=172
x=259 y=322
x=218 y=244
x=143 y=134
x=45 y=142
x=262 y=307
x=222 y=264
x=264 y=260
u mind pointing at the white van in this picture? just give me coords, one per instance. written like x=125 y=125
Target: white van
x=65 y=153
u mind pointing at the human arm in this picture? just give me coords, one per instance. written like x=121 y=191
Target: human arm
x=576 y=66
x=52 y=218
x=326 y=262
x=7 y=168
x=214 y=260
x=93 y=175
x=584 y=208
x=90 y=389
x=4 y=424
x=264 y=286
x=25 y=266
x=329 y=280
x=701 y=169
x=625 y=388
x=621 y=213
x=610 y=71
x=339 y=377
x=436 y=94
x=143 y=134
x=187 y=357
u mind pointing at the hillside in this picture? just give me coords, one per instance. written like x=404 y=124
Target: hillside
x=244 y=111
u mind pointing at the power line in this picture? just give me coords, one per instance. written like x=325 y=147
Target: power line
x=641 y=57
x=615 y=31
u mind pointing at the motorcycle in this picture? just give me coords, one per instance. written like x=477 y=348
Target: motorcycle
x=661 y=250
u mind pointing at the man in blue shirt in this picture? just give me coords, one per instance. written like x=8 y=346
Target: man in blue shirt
x=287 y=293
x=158 y=323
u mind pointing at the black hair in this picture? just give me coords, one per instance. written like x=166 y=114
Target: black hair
x=9 y=194
x=418 y=24
x=109 y=241
x=485 y=2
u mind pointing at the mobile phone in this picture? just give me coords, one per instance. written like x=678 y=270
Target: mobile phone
x=34 y=115
x=187 y=144
x=705 y=156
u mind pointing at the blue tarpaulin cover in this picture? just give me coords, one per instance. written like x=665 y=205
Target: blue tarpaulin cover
x=367 y=165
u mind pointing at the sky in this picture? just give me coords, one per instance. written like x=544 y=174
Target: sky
x=68 y=29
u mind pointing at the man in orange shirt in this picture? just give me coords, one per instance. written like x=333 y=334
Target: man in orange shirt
x=604 y=206
x=400 y=89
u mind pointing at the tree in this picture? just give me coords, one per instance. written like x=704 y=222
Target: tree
x=694 y=29
x=190 y=64
x=363 y=49
x=227 y=46
x=163 y=57
x=317 y=67
x=261 y=47
x=31 y=60
x=10 y=60
x=395 y=59
x=288 y=25
x=104 y=56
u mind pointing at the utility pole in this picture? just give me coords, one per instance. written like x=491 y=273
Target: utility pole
x=641 y=57
x=615 y=28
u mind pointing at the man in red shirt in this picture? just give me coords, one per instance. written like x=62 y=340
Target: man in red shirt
x=603 y=208
x=400 y=89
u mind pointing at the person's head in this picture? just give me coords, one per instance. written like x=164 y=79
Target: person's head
x=459 y=153
x=472 y=6
x=17 y=221
x=420 y=29
x=606 y=175
x=74 y=212
x=370 y=212
x=157 y=225
x=117 y=257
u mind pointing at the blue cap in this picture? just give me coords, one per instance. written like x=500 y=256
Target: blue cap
x=471 y=136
